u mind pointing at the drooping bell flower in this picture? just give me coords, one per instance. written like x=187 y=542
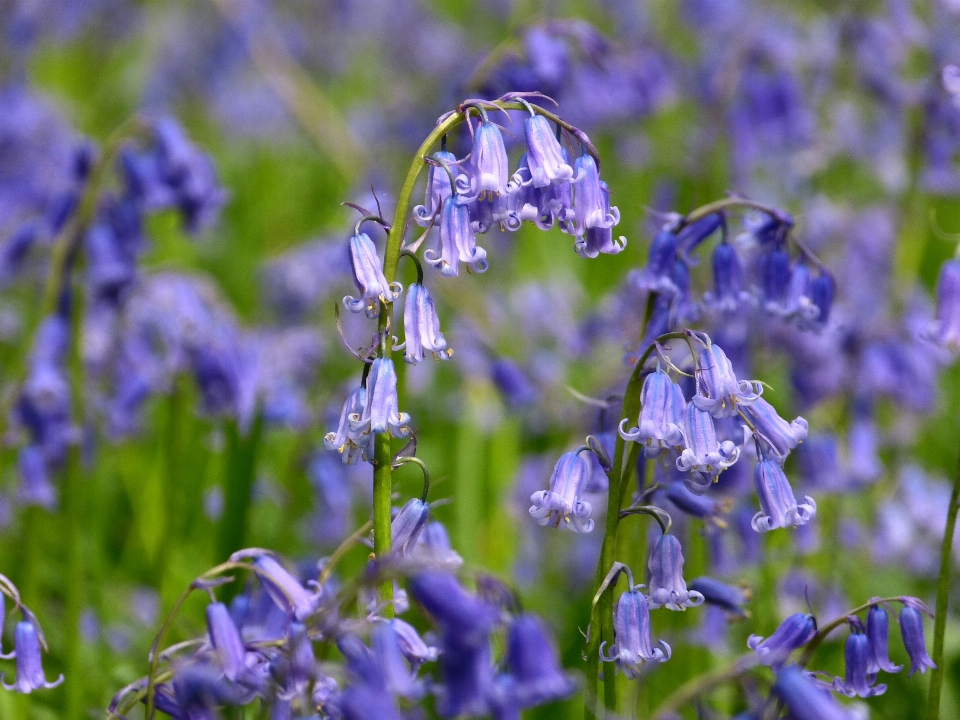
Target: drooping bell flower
x=597 y=240
x=660 y=424
x=656 y=276
x=703 y=456
x=462 y=616
x=434 y=549
x=296 y=668
x=591 y=203
x=946 y=330
x=532 y=204
x=911 y=629
x=822 y=290
x=438 y=188
x=380 y=413
x=387 y=650
x=489 y=170
x=728 y=294
x=407 y=525
x=414 y=649
x=793 y=633
x=775 y=276
x=693 y=234
x=778 y=504
x=667 y=587
x=544 y=157
x=561 y=506
x=727 y=597
x=535 y=674
x=633 y=646
x=878 y=635
x=857 y=682
x=777 y=432
x=30 y=677
x=719 y=391
x=369 y=278
x=805 y=698
x=700 y=506
x=226 y=641
x=421 y=327
x=351 y=446
x=284 y=589
x=458 y=242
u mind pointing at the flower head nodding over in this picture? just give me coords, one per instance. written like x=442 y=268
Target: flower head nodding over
x=284 y=589
x=414 y=649
x=805 y=698
x=369 y=278
x=631 y=625
x=857 y=680
x=657 y=275
x=704 y=456
x=719 y=391
x=768 y=425
x=911 y=628
x=561 y=505
x=544 y=157
x=536 y=676
x=351 y=446
x=489 y=167
x=458 y=241
x=778 y=505
x=946 y=331
x=421 y=326
x=660 y=425
x=877 y=634
x=408 y=524
x=728 y=293
x=727 y=597
x=439 y=188
x=30 y=676
x=793 y=633
x=667 y=586
x=380 y=413
x=591 y=201
x=225 y=639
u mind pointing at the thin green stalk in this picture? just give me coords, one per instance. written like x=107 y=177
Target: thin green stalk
x=239 y=475
x=943 y=597
x=382 y=491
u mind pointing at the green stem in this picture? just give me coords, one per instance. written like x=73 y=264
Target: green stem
x=943 y=597
x=382 y=491
x=240 y=473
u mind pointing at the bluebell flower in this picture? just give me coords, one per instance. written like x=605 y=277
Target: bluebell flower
x=657 y=275
x=778 y=505
x=438 y=188
x=857 y=682
x=414 y=649
x=805 y=698
x=719 y=391
x=535 y=674
x=461 y=616
x=30 y=677
x=369 y=278
x=792 y=634
x=532 y=204
x=561 y=506
x=35 y=486
x=399 y=678
x=777 y=432
x=544 y=157
x=911 y=629
x=284 y=589
x=421 y=327
x=468 y=679
x=660 y=424
x=878 y=635
x=512 y=382
x=458 y=241
x=728 y=293
x=489 y=170
x=727 y=597
x=633 y=646
x=380 y=413
x=818 y=462
x=591 y=202
x=821 y=293
x=597 y=240
x=351 y=446
x=775 y=276
x=946 y=330
x=366 y=701
x=407 y=525
x=295 y=666
x=199 y=689
x=667 y=586
x=703 y=455
x=225 y=639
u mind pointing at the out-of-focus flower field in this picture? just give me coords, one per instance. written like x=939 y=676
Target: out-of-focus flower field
x=697 y=259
